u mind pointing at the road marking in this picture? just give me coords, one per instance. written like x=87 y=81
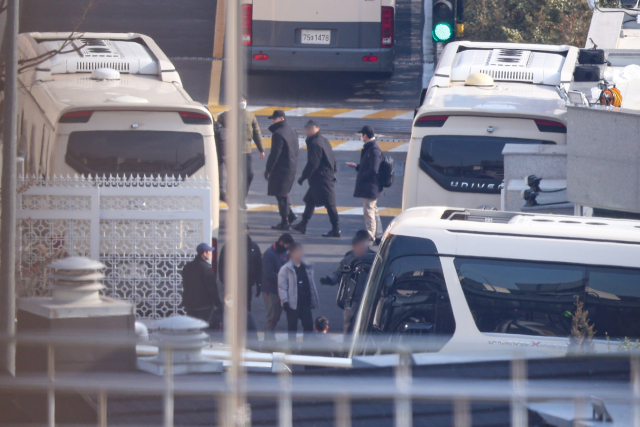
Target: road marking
x=386 y=114
x=298 y=209
x=405 y=116
x=340 y=113
x=402 y=148
x=354 y=145
x=356 y=114
x=329 y=112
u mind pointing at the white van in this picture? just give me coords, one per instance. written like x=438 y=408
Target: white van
x=320 y=35
x=481 y=97
x=475 y=280
x=111 y=104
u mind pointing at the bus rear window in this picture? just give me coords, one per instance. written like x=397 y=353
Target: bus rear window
x=121 y=153
x=467 y=163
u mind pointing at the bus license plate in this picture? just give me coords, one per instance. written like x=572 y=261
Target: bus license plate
x=316 y=36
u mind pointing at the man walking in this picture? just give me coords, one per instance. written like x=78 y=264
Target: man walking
x=321 y=173
x=281 y=166
x=367 y=184
x=200 y=291
x=297 y=291
x=272 y=261
x=254 y=267
x=251 y=132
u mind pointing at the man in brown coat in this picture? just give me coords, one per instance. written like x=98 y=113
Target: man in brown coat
x=251 y=132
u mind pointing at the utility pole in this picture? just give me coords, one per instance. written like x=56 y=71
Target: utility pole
x=9 y=187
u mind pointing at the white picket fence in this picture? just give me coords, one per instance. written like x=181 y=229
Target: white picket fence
x=143 y=229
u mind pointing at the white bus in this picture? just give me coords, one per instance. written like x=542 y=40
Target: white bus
x=114 y=105
x=474 y=280
x=481 y=97
x=319 y=35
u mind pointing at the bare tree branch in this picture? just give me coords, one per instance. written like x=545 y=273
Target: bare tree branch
x=28 y=63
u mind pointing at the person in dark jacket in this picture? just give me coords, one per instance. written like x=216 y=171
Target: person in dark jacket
x=272 y=261
x=251 y=132
x=368 y=186
x=200 y=290
x=321 y=173
x=220 y=135
x=254 y=268
x=281 y=166
x=359 y=247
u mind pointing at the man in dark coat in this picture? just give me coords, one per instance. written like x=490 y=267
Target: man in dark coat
x=272 y=261
x=200 y=291
x=220 y=135
x=281 y=166
x=254 y=268
x=367 y=183
x=321 y=173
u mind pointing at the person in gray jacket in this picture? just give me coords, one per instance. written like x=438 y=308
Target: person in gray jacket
x=297 y=291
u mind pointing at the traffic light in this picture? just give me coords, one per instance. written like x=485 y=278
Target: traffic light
x=444 y=21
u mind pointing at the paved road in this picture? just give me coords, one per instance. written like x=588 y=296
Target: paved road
x=184 y=30
x=324 y=253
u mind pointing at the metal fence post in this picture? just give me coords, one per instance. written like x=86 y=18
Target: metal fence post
x=403 y=403
x=9 y=186
x=518 y=379
x=635 y=387
x=51 y=392
x=285 y=406
x=236 y=254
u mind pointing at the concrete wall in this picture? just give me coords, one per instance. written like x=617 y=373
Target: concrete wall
x=545 y=161
x=604 y=158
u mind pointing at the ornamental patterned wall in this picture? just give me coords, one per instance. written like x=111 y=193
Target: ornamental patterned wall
x=143 y=229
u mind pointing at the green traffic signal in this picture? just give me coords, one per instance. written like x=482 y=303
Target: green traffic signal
x=442 y=32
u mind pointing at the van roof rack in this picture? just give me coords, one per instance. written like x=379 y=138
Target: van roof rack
x=480 y=215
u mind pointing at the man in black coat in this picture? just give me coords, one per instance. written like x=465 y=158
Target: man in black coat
x=254 y=268
x=220 y=135
x=367 y=183
x=200 y=291
x=281 y=166
x=321 y=173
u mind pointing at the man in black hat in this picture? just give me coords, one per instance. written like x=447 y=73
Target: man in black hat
x=321 y=173
x=200 y=290
x=367 y=183
x=281 y=166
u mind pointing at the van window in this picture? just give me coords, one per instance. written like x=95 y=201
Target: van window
x=407 y=294
x=613 y=301
x=136 y=152
x=472 y=159
x=537 y=298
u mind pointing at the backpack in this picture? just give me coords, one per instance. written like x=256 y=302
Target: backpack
x=385 y=172
x=353 y=281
